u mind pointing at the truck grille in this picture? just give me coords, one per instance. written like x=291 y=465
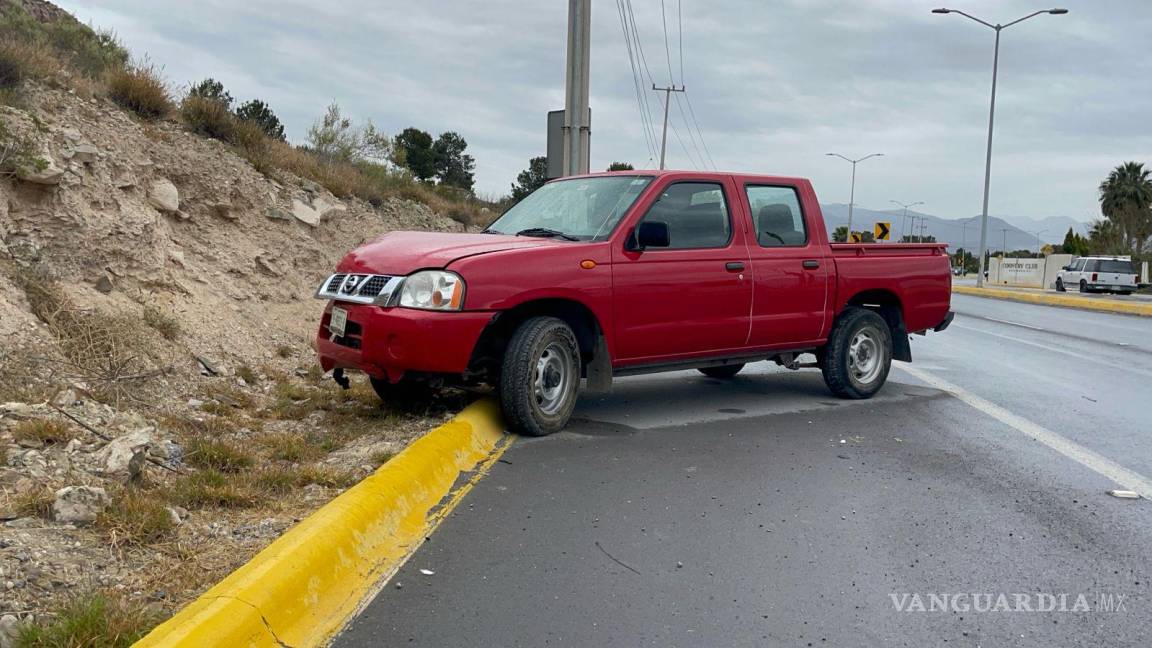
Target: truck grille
x=359 y=288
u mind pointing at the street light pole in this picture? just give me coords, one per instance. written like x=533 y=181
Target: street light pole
x=991 y=118
x=905 y=217
x=852 y=194
x=1038 y=241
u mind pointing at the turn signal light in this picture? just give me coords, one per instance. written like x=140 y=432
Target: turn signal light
x=587 y=264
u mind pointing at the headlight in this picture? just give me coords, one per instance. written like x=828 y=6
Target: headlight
x=433 y=290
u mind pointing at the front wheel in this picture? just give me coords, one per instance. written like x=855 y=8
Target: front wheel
x=858 y=355
x=1060 y=285
x=540 y=377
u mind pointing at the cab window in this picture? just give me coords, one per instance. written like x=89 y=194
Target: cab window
x=696 y=215
x=777 y=216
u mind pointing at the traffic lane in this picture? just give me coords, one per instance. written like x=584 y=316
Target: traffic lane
x=1130 y=331
x=1093 y=394
x=787 y=529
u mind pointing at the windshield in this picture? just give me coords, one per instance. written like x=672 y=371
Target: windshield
x=584 y=209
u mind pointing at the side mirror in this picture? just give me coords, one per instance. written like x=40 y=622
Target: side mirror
x=1066 y=268
x=652 y=234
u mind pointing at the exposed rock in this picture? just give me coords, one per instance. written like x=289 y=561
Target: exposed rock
x=223 y=210
x=9 y=630
x=117 y=457
x=104 y=283
x=269 y=266
x=83 y=153
x=49 y=174
x=275 y=213
x=305 y=213
x=79 y=504
x=164 y=195
x=65 y=398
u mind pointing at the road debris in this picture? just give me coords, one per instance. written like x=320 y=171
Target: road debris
x=427 y=572
x=1124 y=494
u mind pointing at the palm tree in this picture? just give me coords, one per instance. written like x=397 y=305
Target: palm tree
x=1126 y=201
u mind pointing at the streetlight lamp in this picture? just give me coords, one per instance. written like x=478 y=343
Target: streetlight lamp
x=852 y=195
x=991 y=115
x=905 y=217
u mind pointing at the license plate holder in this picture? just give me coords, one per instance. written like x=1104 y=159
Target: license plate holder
x=339 y=321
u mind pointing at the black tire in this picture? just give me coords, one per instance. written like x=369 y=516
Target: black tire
x=406 y=395
x=841 y=373
x=1060 y=285
x=1124 y=292
x=722 y=372
x=1083 y=286
x=540 y=377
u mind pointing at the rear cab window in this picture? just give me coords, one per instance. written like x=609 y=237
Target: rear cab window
x=776 y=216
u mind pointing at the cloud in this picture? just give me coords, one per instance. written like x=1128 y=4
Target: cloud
x=774 y=85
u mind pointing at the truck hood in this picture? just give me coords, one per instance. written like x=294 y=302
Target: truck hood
x=400 y=253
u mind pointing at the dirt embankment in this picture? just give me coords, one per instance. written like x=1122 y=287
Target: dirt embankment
x=163 y=417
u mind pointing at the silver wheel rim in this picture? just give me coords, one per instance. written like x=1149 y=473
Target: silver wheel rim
x=864 y=361
x=552 y=378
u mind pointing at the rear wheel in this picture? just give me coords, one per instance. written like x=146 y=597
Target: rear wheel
x=1060 y=285
x=540 y=377
x=858 y=355
x=1083 y=286
x=722 y=371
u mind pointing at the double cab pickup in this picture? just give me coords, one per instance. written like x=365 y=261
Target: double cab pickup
x=604 y=275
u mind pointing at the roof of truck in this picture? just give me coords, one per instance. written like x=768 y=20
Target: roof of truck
x=696 y=174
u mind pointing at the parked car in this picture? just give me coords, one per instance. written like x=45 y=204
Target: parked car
x=1114 y=274
x=623 y=273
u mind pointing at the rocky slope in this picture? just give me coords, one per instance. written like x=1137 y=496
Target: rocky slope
x=199 y=272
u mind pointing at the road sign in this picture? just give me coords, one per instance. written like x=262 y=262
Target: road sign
x=881 y=230
x=856 y=237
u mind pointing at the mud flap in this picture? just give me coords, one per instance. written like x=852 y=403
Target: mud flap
x=599 y=370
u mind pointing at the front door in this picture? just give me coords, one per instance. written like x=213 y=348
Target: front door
x=693 y=297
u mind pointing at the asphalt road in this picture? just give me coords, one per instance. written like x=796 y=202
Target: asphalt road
x=685 y=511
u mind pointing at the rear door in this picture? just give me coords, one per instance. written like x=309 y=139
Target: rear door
x=790 y=269
x=693 y=297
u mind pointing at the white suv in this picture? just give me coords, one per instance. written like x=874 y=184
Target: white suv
x=1114 y=274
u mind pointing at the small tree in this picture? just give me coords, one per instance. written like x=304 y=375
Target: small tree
x=213 y=90
x=259 y=113
x=620 y=166
x=454 y=167
x=414 y=151
x=333 y=138
x=840 y=234
x=530 y=179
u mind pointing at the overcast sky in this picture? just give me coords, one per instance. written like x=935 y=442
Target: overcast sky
x=775 y=84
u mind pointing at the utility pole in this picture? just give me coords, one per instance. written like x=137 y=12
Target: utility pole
x=667 y=99
x=577 y=130
x=852 y=193
x=991 y=116
x=905 y=217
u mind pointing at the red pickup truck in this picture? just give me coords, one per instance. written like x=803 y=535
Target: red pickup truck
x=610 y=274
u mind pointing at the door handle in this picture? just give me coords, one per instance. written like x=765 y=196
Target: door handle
x=734 y=266
x=811 y=264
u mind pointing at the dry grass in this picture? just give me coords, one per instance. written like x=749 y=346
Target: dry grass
x=219 y=455
x=248 y=374
x=90 y=620
x=163 y=322
x=34 y=502
x=135 y=518
x=21 y=61
x=43 y=431
x=285 y=351
x=140 y=89
x=293 y=448
x=212 y=489
x=381 y=457
x=102 y=350
x=208 y=117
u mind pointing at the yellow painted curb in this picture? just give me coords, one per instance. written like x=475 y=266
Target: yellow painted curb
x=302 y=588
x=1102 y=305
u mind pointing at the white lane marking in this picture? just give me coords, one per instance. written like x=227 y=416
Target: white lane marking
x=1071 y=354
x=1027 y=326
x=1088 y=458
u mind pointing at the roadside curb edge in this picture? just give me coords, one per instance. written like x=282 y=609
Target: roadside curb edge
x=1128 y=308
x=301 y=589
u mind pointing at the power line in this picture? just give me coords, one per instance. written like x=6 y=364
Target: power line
x=645 y=121
x=680 y=43
x=667 y=51
x=691 y=135
x=697 y=123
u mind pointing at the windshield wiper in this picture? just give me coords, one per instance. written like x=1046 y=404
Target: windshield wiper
x=544 y=232
x=489 y=231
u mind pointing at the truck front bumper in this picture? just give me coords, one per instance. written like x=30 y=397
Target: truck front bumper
x=389 y=342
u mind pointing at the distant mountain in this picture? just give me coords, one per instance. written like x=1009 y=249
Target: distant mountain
x=1053 y=224
x=960 y=232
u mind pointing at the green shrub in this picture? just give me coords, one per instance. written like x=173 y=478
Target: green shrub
x=90 y=619
x=219 y=455
x=141 y=89
x=136 y=518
